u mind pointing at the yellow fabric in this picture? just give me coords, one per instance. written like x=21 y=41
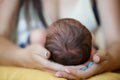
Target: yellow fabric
x=16 y=73
x=106 y=76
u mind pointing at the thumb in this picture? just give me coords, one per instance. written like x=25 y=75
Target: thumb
x=39 y=50
x=99 y=56
x=46 y=54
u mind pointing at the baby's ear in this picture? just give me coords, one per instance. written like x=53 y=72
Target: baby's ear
x=38 y=37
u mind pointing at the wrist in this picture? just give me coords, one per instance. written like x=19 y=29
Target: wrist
x=18 y=57
x=114 y=51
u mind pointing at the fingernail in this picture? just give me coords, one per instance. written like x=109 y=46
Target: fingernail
x=58 y=75
x=96 y=58
x=46 y=53
x=66 y=70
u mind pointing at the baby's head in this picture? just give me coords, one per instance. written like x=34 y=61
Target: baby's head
x=69 y=42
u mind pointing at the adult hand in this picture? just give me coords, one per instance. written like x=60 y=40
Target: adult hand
x=103 y=62
x=35 y=56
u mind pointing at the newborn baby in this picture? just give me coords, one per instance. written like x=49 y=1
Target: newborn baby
x=69 y=42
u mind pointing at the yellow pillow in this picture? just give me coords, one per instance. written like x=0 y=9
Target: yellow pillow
x=16 y=73
x=106 y=76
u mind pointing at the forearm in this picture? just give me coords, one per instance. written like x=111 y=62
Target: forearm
x=114 y=52
x=110 y=20
x=9 y=53
x=8 y=16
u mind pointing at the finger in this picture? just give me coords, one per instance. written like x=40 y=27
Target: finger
x=47 y=64
x=100 y=56
x=41 y=51
x=74 y=72
x=62 y=74
x=38 y=50
x=77 y=67
x=94 y=69
x=96 y=58
x=46 y=54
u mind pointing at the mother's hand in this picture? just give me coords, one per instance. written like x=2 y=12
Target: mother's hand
x=36 y=56
x=103 y=62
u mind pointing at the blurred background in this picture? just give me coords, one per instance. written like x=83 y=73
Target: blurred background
x=39 y=14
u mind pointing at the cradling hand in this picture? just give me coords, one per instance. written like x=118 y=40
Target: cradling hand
x=103 y=62
x=36 y=56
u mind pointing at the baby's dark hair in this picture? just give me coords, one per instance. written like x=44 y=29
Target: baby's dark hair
x=69 y=42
